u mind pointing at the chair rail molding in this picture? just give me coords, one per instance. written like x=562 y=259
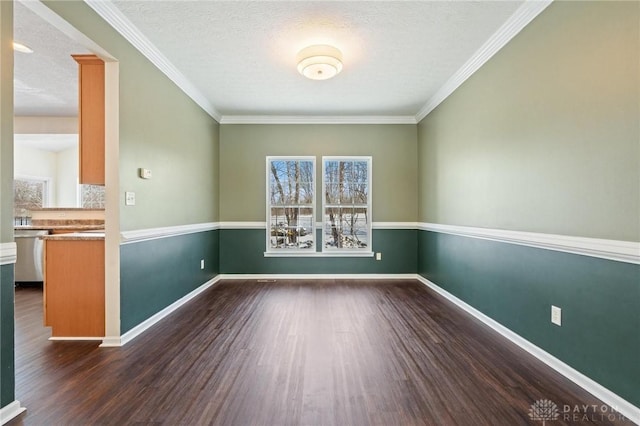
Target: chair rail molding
x=621 y=251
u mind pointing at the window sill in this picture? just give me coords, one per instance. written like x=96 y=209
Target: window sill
x=319 y=254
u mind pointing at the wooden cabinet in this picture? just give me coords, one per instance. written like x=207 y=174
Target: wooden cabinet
x=91 y=118
x=74 y=287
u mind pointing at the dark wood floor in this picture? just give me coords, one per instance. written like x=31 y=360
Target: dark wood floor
x=304 y=352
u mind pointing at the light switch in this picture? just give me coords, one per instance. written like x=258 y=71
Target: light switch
x=129 y=198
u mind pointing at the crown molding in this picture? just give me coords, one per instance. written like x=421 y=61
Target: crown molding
x=317 y=119
x=520 y=19
x=49 y=16
x=112 y=15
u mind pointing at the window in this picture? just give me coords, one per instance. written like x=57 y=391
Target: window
x=92 y=196
x=291 y=204
x=346 y=204
x=28 y=194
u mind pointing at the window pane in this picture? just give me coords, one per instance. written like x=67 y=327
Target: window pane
x=28 y=194
x=291 y=200
x=331 y=169
x=332 y=230
x=332 y=194
x=347 y=223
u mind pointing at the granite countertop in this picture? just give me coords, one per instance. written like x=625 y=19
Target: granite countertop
x=72 y=209
x=61 y=227
x=75 y=236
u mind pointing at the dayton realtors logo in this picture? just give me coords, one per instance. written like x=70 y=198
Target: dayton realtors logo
x=545 y=410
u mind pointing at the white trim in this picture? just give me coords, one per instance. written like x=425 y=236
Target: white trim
x=167 y=231
x=110 y=13
x=243 y=225
x=317 y=119
x=262 y=225
x=520 y=19
x=75 y=338
x=618 y=403
x=10 y=411
x=300 y=253
x=152 y=320
x=111 y=342
x=621 y=251
x=395 y=225
x=317 y=276
x=8 y=253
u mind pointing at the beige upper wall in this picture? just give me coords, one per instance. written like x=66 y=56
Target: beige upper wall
x=160 y=129
x=243 y=149
x=545 y=136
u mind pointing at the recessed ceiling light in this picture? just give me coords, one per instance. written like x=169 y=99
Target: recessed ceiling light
x=19 y=47
x=319 y=62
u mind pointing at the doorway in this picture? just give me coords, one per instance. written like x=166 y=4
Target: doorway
x=28 y=17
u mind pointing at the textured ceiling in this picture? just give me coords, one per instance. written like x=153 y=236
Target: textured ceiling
x=45 y=81
x=241 y=55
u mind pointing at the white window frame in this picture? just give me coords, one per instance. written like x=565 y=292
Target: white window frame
x=353 y=251
x=285 y=252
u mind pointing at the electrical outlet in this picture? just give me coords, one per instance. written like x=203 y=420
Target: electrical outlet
x=556 y=315
x=378 y=256
x=201 y=263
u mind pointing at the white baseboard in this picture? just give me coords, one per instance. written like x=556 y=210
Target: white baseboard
x=317 y=276
x=111 y=342
x=621 y=405
x=10 y=411
x=146 y=324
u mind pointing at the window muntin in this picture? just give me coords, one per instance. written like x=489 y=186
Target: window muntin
x=290 y=204
x=346 y=205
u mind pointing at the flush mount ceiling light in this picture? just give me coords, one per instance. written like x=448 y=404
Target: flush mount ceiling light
x=19 y=47
x=319 y=62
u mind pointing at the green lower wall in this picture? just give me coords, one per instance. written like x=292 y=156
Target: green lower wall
x=7 y=364
x=516 y=286
x=242 y=252
x=156 y=273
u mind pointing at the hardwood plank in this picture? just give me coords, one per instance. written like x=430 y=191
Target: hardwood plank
x=303 y=352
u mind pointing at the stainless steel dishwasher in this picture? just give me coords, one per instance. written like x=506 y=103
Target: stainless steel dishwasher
x=29 y=249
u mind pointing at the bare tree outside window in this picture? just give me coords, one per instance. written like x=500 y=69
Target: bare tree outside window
x=347 y=222
x=28 y=194
x=291 y=203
